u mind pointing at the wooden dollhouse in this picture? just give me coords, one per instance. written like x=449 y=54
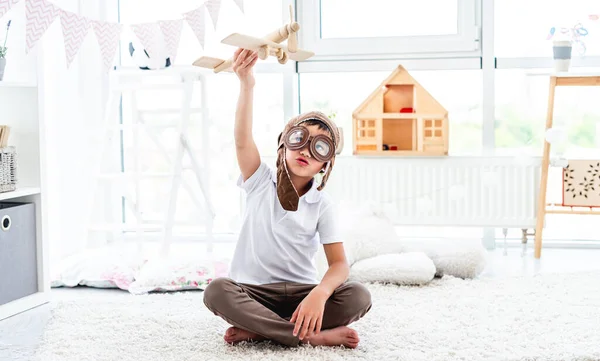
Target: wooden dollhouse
x=400 y=118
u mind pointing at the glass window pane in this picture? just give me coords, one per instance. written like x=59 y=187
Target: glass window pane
x=340 y=94
x=383 y=18
x=258 y=19
x=522 y=27
x=521 y=107
x=223 y=171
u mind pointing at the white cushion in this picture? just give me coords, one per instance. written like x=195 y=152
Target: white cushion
x=98 y=268
x=412 y=268
x=458 y=258
x=365 y=231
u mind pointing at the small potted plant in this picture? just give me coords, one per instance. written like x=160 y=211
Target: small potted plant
x=3 y=50
x=564 y=39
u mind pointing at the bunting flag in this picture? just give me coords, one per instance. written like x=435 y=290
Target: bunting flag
x=148 y=35
x=171 y=30
x=5 y=6
x=213 y=7
x=108 y=35
x=195 y=19
x=74 y=28
x=39 y=15
x=240 y=4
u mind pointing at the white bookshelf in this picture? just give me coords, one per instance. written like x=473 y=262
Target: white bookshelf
x=20 y=193
x=22 y=109
x=17 y=85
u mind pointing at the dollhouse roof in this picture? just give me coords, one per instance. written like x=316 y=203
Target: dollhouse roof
x=400 y=76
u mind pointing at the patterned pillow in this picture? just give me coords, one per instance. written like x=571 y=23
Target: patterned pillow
x=177 y=274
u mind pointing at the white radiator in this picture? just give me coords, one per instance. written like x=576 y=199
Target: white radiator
x=451 y=191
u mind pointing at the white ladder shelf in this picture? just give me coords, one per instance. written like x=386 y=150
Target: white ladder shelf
x=130 y=81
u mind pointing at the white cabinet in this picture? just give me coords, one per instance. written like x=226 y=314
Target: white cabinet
x=21 y=107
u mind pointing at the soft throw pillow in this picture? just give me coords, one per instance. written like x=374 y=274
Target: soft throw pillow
x=458 y=258
x=98 y=268
x=365 y=231
x=412 y=268
x=175 y=273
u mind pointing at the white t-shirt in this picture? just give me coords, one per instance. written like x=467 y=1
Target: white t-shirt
x=276 y=245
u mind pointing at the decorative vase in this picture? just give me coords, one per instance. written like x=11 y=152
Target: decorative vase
x=2 y=66
x=562 y=55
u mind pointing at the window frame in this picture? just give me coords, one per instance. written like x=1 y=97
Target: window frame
x=466 y=43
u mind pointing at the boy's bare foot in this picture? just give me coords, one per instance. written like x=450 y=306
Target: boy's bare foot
x=334 y=337
x=235 y=335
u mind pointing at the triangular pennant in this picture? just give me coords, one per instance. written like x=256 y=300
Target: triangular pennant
x=240 y=4
x=171 y=30
x=195 y=19
x=147 y=33
x=39 y=15
x=213 y=7
x=75 y=29
x=108 y=35
x=5 y=5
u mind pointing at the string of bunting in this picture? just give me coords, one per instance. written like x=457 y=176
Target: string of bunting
x=40 y=14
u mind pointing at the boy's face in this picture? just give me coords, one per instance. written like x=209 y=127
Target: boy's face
x=300 y=162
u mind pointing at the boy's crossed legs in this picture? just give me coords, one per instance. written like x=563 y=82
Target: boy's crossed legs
x=263 y=311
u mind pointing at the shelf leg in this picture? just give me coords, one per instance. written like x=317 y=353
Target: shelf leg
x=541 y=211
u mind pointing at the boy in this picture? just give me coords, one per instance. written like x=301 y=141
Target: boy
x=273 y=292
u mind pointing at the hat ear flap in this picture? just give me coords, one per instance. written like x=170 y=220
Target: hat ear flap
x=286 y=192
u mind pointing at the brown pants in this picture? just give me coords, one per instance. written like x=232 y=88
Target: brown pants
x=267 y=309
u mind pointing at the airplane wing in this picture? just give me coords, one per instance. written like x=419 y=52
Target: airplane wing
x=248 y=42
x=299 y=55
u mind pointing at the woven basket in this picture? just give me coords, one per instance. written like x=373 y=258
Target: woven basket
x=8 y=169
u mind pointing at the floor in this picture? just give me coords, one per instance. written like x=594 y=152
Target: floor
x=20 y=335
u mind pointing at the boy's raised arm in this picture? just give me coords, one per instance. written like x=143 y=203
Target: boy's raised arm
x=246 y=150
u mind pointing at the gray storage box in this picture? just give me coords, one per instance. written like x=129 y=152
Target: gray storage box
x=18 y=256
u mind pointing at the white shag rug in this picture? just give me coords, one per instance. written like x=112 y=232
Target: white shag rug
x=546 y=317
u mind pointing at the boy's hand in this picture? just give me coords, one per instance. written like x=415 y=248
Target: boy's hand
x=243 y=61
x=309 y=314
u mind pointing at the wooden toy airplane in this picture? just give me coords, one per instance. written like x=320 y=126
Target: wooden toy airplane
x=269 y=45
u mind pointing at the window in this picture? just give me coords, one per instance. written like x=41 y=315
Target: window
x=340 y=93
x=521 y=107
x=222 y=169
x=356 y=45
x=388 y=27
x=384 y=18
x=521 y=27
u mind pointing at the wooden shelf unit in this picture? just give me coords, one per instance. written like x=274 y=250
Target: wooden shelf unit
x=543 y=208
x=400 y=118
